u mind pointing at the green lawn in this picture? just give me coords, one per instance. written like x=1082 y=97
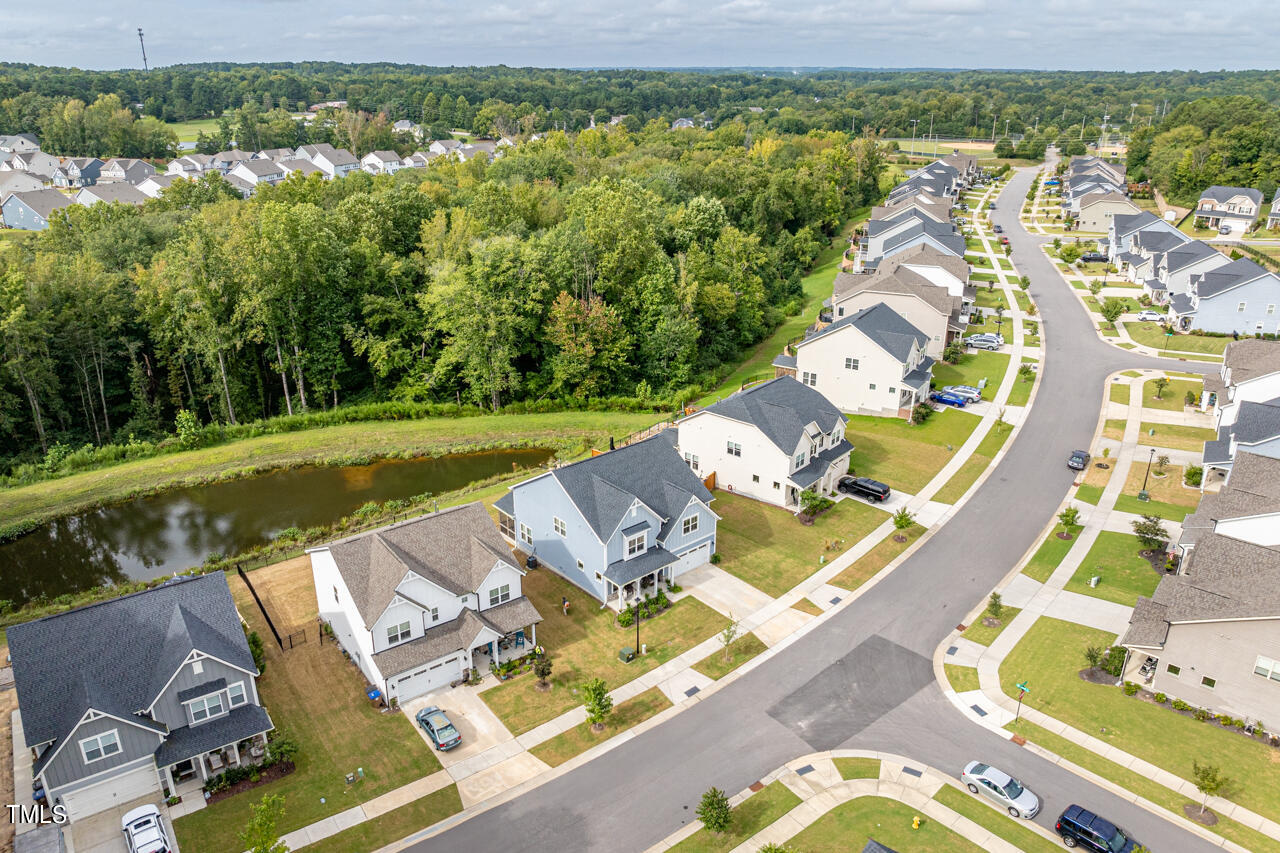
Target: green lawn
x=1169 y=498
x=769 y=548
x=996 y=820
x=1171 y=512
x=1152 y=335
x=749 y=817
x=580 y=738
x=1024 y=301
x=1114 y=428
x=907 y=456
x=188 y=131
x=982 y=261
x=983 y=276
x=985 y=636
x=1020 y=393
x=1051 y=654
x=1118 y=392
x=1005 y=264
x=336 y=728
x=962 y=678
x=973 y=467
x=585 y=645
x=1125 y=575
x=1130 y=780
x=741 y=650
x=973 y=366
x=394 y=825
x=1089 y=494
x=990 y=299
x=1050 y=553
x=566 y=431
x=857 y=768
x=865 y=567
x=1175 y=436
x=1173 y=397
x=849 y=826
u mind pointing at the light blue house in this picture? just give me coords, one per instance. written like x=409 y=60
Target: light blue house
x=1240 y=297
x=30 y=211
x=615 y=524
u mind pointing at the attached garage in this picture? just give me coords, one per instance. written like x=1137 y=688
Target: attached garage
x=425 y=678
x=115 y=790
x=691 y=559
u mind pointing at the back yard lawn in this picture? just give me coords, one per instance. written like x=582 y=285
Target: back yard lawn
x=973 y=366
x=907 y=456
x=769 y=548
x=1173 y=397
x=1050 y=553
x=1175 y=436
x=1152 y=335
x=585 y=645
x=1052 y=653
x=1125 y=574
x=849 y=826
x=336 y=728
x=749 y=817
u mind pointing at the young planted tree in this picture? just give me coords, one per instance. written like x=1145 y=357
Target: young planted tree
x=728 y=635
x=1094 y=654
x=259 y=834
x=1111 y=310
x=995 y=605
x=1161 y=383
x=1024 y=281
x=1069 y=517
x=1095 y=287
x=1150 y=531
x=597 y=702
x=903 y=520
x=714 y=811
x=542 y=669
x=1162 y=462
x=1209 y=781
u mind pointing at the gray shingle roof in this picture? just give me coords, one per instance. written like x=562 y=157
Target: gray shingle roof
x=117 y=655
x=897 y=279
x=1127 y=223
x=925 y=255
x=1181 y=304
x=1251 y=358
x=604 y=487
x=818 y=465
x=1257 y=421
x=781 y=409
x=784 y=361
x=456 y=635
x=884 y=326
x=1224 y=194
x=1189 y=253
x=1224 y=278
x=121 y=192
x=44 y=202
x=239 y=724
x=202 y=689
x=261 y=168
x=454 y=548
x=1156 y=240
x=623 y=572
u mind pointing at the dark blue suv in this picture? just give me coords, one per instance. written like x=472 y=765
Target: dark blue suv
x=1082 y=828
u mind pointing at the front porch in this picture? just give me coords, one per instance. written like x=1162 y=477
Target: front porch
x=646 y=574
x=507 y=647
x=195 y=754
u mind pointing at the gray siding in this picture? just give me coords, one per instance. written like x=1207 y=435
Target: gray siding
x=1225 y=652
x=69 y=766
x=171 y=712
x=535 y=503
x=18 y=215
x=617 y=545
x=1221 y=314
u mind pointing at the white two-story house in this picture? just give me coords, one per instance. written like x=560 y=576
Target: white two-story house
x=930 y=308
x=418 y=603
x=770 y=442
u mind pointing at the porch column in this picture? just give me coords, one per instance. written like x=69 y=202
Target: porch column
x=204 y=772
x=235 y=750
x=168 y=781
x=533 y=634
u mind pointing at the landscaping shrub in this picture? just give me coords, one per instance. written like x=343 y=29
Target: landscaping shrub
x=1179 y=705
x=1202 y=715
x=1193 y=476
x=256 y=649
x=1161 y=698
x=1113 y=664
x=1130 y=689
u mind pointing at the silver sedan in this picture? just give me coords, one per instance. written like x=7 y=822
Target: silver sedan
x=1005 y=790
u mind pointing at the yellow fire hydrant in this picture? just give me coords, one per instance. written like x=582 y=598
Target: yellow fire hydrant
x=915 y=822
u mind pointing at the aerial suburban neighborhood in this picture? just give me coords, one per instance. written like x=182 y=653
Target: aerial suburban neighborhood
x=659 y=451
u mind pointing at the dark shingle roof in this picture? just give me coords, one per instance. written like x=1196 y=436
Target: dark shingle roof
x=1256 y=421
x=884 y=326
x=604 y=487
x=1224 y=194
x=1251 y=358
x=812 y=472
x=623 y=572
x=457 y=635
x=116 y=656
x=202 y=689
x=44 y=202
x=454 y=548
x=1224 y=278
x=1187 y=254
x=781 y=409
x=240 y=724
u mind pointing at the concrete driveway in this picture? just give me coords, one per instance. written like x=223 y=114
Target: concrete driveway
x=101 y=833
x=480 y=728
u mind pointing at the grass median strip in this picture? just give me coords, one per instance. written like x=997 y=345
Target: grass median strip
x=749 y=817
x=849 y=826
x=866 y=566
x=986 y=634
x=398 y=823
x=997 y=822
x=973 y=467
x=1051 y=552
x=1118 y=393
x=580 y=738
x=857 y=768
x=962 y=678
x=741 y=650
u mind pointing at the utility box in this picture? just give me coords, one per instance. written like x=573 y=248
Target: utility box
x=626 y=654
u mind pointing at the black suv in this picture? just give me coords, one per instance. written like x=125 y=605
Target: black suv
x=1081 y=828
x=865 y=487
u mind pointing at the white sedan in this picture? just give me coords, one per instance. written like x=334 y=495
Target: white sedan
x=1150 y=316
x=1007 y=791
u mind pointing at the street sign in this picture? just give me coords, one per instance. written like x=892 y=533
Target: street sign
x=1022 y=685
x=1023 y=690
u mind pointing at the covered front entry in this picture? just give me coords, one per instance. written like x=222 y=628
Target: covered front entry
x=628 y=580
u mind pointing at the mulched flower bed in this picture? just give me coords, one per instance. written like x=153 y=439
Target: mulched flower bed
x=1097 y=675
x=1064 y=535
x=1192 y=811
x=270 y=774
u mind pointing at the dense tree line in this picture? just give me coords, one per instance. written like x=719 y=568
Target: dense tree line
x=502 y=100
x=1231 y=141
x=579 y=266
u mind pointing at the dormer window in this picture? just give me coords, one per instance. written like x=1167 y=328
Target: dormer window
x=635 y=545
x=800 y=459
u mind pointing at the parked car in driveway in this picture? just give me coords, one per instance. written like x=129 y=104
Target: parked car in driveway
x=997 y=785
x=1079 y=827
x=1078 y=460
x=1150 y=316
x=1093 y=258
x=144 y=832
x=973 y=395
x=864 y=487
x=949 y=399
x=984 y=341
x=438 y=728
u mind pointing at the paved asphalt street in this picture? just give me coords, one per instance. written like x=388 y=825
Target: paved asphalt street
x=864 y=679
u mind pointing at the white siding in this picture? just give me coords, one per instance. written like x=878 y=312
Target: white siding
x=850 y=390
x=339 y=610
x=706 y=435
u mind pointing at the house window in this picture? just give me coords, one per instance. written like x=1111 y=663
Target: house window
x=1240 y=307
x=892 y=390
x=755 y=478
x=777 y=485
x=499 y=594
x=335 y=593
x=1267 y=668
x=692 y=459
x=526 y=535
x=850 y=364
x=822 y=440
x=435 y=614
x=599 y=577
x=800 y=459
x=635 y=545
x=197 y=667
x=236 y=695
x=206 y=707
x=1208 y=682
x=690 y=524
x=1271 y=309
x=558 y=524
x=507 y=525
x=840 y=311
x=810 y=379
x=581 y=567
x=396 y=633
x=733 y=448
x=1173 y=670
x=873 y=386
x=100 y=746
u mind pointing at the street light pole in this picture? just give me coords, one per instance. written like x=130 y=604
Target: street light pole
x=637 y=606
x=914 y=122
x=1148 y=474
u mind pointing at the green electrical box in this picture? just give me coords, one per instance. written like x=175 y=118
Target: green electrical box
x=626 y=654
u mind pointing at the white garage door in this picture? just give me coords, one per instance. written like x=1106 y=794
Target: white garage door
x=426 y=678
x=691 y=559
x=116 y=791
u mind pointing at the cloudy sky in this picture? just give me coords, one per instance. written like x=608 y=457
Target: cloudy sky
x=1071 y=34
